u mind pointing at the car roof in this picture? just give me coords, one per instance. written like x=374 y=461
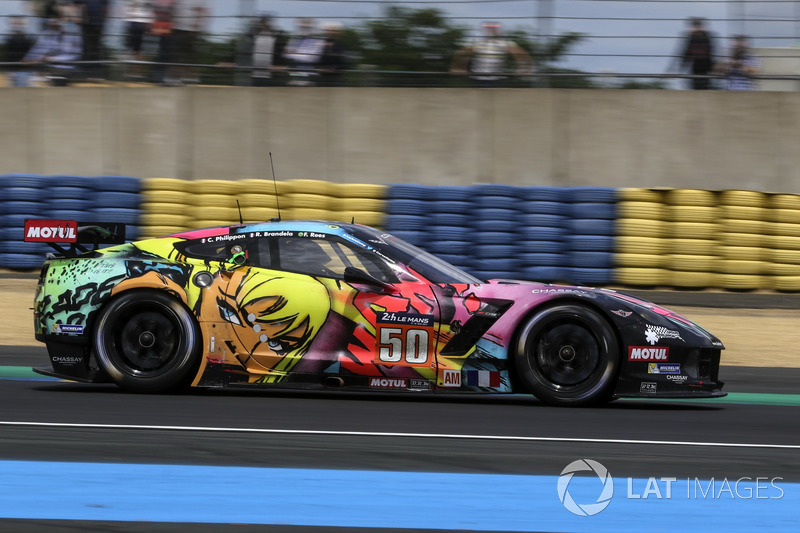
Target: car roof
x=270 y=228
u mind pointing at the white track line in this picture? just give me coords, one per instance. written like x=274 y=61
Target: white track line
x=405 y=435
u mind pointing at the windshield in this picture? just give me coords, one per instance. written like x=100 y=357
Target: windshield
x=426 y=265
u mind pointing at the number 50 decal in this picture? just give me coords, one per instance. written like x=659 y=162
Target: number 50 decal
x=409 y=345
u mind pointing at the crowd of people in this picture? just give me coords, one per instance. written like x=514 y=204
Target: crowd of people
x=69 y=46
x=698 y=57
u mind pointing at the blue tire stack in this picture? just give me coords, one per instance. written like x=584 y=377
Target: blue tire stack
x=543 y=231
x=590 y=240
x=117 y=199
x=22 y=198
x=494 y=225
x=69 y=197
x=64 y=197
x=407 y=212
x=450 y=232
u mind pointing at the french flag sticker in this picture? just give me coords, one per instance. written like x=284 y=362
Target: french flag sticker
x=483 y=378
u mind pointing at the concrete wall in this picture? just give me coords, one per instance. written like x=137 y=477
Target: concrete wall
x=710 y=140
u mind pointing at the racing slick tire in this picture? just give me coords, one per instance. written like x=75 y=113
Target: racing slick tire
x=147 y=341
x=568 y=355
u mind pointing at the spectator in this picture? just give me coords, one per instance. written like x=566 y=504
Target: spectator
x=303 y=52
x=138 y=18
x=487 y=56
x=741 y=66
x=190 y=21
x=162 y=30
x=56 y=47
x=698 y=54
x=70 y=12
x=258 y=50
x=92 y=18
x=46 y=10
x=17 y=45
x=333 y=59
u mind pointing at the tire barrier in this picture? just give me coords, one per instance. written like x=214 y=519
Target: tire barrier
x=408 y=213
x=638 y=237
x=590 y=235
x=83 y=198
x=543 y=233
x=494 y=231
x=692 y=267
x=741 y=266
x=166 y=203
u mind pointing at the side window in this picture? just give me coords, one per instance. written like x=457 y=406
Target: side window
x=368 y=262
x=266 y=254
x=328 y=258
x=211 y=249
x=306 y=256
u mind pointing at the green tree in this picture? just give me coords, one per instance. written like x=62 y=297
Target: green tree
x=408 y=40
x=425 y=40
x=547 y=53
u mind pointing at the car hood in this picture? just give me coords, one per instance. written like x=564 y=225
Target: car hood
x=625 y=311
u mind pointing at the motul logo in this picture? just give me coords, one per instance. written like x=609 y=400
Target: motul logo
x=648 y=353
x=51 y=231
x=389 y=383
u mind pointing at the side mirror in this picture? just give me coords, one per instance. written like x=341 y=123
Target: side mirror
x=358 y=276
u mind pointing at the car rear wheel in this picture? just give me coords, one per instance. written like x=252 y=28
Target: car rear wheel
x=147 y=342
x=568 y=355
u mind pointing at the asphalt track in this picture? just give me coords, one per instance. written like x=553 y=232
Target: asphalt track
x=345 y=460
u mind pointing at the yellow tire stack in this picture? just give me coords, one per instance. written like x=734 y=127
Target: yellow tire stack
x=783 y=241
x=164 y=207
x=307 y=200
x=360 y=202
x=743 y=264
x=692 y=256
x=641 y=238
x=213 y=203
x=257 y=199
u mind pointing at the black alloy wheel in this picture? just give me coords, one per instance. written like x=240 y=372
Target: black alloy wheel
x=568 y=355
x=147 y=341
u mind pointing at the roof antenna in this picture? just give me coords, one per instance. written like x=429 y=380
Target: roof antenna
x=240 y=212
x=277 y=203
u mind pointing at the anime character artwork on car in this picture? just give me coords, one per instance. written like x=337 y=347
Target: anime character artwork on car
x=310 y=304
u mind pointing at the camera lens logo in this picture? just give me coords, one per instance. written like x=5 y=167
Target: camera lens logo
x=587 y=509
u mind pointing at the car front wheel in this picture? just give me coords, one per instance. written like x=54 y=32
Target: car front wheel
x=568 y=355
x=147 y=342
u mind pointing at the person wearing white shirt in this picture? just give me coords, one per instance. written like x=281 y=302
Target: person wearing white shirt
x=138 y=18
x=57 y=46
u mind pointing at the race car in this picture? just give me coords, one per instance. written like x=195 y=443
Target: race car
x=331 y=305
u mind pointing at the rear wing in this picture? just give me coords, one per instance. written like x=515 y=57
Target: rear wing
x=78 y=235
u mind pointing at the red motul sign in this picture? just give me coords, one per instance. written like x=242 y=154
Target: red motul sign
x=651 y=354
x=51 y=231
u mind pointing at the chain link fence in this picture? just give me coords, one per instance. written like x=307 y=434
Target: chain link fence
x=573 y=43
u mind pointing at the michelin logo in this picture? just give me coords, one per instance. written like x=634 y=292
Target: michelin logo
x=68 y=328
x=663 y=368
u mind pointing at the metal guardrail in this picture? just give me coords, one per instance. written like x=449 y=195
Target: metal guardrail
x=14 y=66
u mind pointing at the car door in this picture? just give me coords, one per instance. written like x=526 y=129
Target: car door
x=313 y=317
